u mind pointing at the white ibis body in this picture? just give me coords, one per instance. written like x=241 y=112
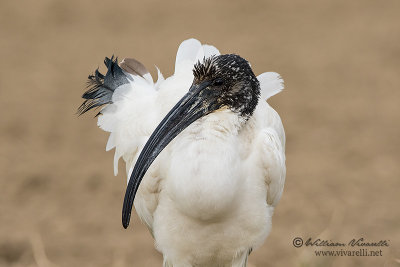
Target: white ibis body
x=204 y=152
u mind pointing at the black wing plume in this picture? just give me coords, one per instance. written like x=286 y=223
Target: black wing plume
x=100 y=87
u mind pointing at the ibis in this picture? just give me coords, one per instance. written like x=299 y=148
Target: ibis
x=204 y=151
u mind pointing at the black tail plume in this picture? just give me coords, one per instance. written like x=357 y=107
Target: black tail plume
x=101 y=88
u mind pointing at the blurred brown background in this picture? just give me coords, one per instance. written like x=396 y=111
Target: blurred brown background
x=59 y=202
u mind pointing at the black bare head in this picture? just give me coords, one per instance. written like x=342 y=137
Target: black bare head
x=231 y=80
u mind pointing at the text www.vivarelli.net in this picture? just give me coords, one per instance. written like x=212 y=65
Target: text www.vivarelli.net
x=350 y=253
x=356 y=247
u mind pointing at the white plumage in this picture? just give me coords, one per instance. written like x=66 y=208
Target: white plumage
x=208 y=198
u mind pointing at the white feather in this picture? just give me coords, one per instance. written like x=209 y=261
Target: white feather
x=126 y=121
x=148 y=78
x=186 y=55
x=111 y=142
x=206 y=51
x=271 y=83
x=160 y=79
x=210 y=50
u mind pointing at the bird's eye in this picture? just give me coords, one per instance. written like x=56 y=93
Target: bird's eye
x=218 y=82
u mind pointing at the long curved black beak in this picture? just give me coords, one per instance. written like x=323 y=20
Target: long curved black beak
x=194 y=105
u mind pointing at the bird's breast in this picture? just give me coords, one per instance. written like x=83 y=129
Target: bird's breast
x=204 y=176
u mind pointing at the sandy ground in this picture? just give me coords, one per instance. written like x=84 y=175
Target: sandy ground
x=59 y=202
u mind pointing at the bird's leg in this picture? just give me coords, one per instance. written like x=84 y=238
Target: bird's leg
x=241 y=259
x=167 y=263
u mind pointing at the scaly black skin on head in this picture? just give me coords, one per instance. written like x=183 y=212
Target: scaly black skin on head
x=233 y=82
